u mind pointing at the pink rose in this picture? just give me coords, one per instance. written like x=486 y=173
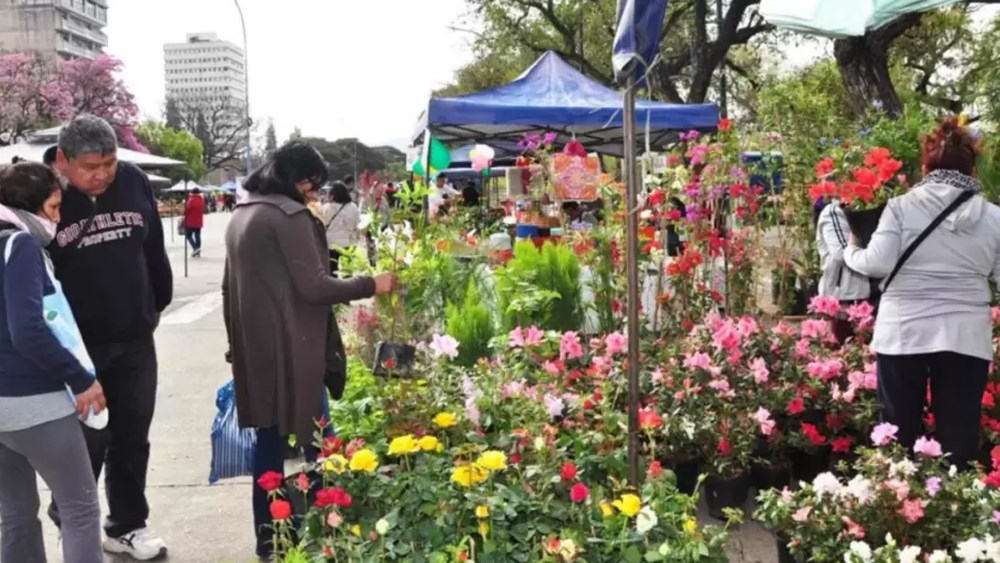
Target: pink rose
x=912 y=510
x=927 y=447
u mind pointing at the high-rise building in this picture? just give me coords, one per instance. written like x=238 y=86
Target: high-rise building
x=68 y=28
x=205 y=69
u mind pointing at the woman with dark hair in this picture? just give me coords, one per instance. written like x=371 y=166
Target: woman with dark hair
x=278 y=295
x=341 y=218
x=936 y=246
x=39 y=426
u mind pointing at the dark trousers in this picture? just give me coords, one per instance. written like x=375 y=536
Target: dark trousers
x=957 y=383
x=269 y=455
x=194 y=238
x=128 y=374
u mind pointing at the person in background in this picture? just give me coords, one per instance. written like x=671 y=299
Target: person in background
x=578 y=218
x=470 y=195
x=39 y=429
x=838 y=280
x=110 y=256
x=49 y=157
x=933 y=320
x=351 y=188
x=194 y=221
x=277 y=305
x=341 y=218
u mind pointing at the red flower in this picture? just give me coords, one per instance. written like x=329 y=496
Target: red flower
x=796 y=406
x=515 y=459
x=568 y=472
x=322 y=422
x=579 y=493
x=725 y=448
x=834 y=422
x=842 y=445
x=877 y=156
x=725 y=125
x=575 y=148
x=655 y=470
x=989 y=401
x=649 y=420
x=302 y=483
x=888 y=168
x=822 y=190
x=866 y=177
x=656 y=198
x=389 y=364
x=992 y=480
x=651 y=246
x=281 y=510
x=333 y=497
x=824 y=168
x=271 y=481
x=332 y=445
x=464 y=556
x=810 y=431
x=588 y=405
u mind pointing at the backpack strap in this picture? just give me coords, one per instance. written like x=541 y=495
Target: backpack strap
x=962 y=198
x=7 y=238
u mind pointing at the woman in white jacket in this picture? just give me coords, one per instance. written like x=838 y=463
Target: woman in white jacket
x=933 y=322
x=341 y=218
x=838 y=280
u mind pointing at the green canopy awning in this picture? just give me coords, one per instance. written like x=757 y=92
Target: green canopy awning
x=841 y=18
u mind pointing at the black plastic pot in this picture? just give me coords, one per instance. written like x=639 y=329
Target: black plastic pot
x=394 y=359
x=784 y=555
x=807 y=465
x=726 y=493
x=687 y=472
x=863 y=223
x=773 y=476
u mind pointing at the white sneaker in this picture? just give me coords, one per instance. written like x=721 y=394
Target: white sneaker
x=140 y=545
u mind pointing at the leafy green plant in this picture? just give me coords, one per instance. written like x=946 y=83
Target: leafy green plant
x=472 y=325
x=540 y=287
x=358 y=413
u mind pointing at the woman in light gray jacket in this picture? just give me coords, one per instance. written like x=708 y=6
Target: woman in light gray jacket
x=933 y=323
x=838 y=280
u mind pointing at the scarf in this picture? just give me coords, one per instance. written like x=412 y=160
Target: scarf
x=42 y=231
x=952 y=178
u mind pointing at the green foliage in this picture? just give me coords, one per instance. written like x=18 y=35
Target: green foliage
x=902 y=136
x=540 y=288
x=809 y=104
x=988 y=170
x=176 y=144
x=358 y=413
x=472 y=325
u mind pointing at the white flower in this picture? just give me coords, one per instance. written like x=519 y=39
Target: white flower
x=952 y=472
x=382 y=526
x=861 y=489
x=646 y=520
x=889 y=540
x=992 y=550
x=365 y=222
x=860 y=552
x=971 y=550
x=905 y=468
x=910 y=554
x=444 y=346
x=827 y=484
x=940 y=556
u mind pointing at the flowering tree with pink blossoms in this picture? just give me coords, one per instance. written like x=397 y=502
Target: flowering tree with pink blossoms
x=93 y=87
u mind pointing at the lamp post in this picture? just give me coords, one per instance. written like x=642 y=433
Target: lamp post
x=246 y=85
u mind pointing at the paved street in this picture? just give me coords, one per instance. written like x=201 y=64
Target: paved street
x=212 y=524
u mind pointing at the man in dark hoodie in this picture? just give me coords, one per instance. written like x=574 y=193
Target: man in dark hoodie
x=109 y=255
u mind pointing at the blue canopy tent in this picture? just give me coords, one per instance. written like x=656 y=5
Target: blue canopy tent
x=552 y=96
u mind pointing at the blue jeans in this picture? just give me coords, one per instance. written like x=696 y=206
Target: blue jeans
x=193 y=238
x=269 y=455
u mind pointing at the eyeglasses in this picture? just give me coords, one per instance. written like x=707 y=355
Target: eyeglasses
x=315 y=185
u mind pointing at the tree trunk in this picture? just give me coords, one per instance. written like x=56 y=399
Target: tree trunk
x=864 y=68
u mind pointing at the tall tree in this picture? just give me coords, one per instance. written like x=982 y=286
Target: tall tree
x=176 y=144
x=94 y=88
x=30 y=96
x=695 y=42
x=219 y=124
x=172 y=114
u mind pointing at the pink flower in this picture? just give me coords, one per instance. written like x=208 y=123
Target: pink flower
x=861 y=314
x=912 y=510
x=933 y=486
x=602 y=364
x=802 y=348
x=726 y=337
x=996 y=516
x=824 y=305
x=555 y=405
x=758 y=367
x=617 y=343
x=884 y=434
x=802 y=514
x=579 y=493
x=700 y=360
x=569 y=347
x=720 y=385
x=825 y=370
x=516 y=338
x=898 y=486
x=927 y=447
x=334 y=520
x=513 y=389
x=533 y=336
x=854 y=529
x=783 y=329
x=444 y=346
x=815 y=329
x=763 y=417
x=552 y=368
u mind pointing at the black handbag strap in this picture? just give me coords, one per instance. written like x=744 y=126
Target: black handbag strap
x=334 y=218
x=962 y=198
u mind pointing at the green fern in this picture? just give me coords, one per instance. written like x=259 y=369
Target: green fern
x=472 y=325
x=540 y=288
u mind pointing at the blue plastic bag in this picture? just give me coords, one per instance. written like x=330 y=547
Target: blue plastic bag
x=232 y=447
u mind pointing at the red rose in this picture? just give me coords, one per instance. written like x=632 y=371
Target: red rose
x=588 y=405
x=655 y=470
x=579 y=493
x=515 y=459
x=656 y=198
x=302 y=483
x=322 y=422
x=324 y=498
x=568 y=472
x=649 y=420
x=725 y=125
x=842 y=445
x=332 y=445
x=281 y=510
x=725 y=448
x=271 y=481
x=389 y=364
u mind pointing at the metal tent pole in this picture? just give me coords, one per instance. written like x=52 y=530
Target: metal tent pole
x=632 y=268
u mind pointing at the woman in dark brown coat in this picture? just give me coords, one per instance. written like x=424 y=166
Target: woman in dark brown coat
x=277 y=296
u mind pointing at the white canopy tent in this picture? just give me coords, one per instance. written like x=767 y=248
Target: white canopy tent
x=36 y=151
x=183 y=187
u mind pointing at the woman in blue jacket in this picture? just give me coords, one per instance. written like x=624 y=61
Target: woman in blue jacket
x=39 y=425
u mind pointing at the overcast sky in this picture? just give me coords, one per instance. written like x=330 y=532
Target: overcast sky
x=334 y=68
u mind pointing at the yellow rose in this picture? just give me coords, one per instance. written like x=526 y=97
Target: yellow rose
x=430 y=444
x=607 y=510
x=482 y=511
x=404 y=445
x=336 y=464
x=468 y=475
x=492 y=460
x=629 y=505
x=484 y=529
x=364 y=460
x=445 y=420
x=690 y=526
x=356 y=530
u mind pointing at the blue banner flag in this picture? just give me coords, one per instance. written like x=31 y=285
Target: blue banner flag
x=640 y=23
